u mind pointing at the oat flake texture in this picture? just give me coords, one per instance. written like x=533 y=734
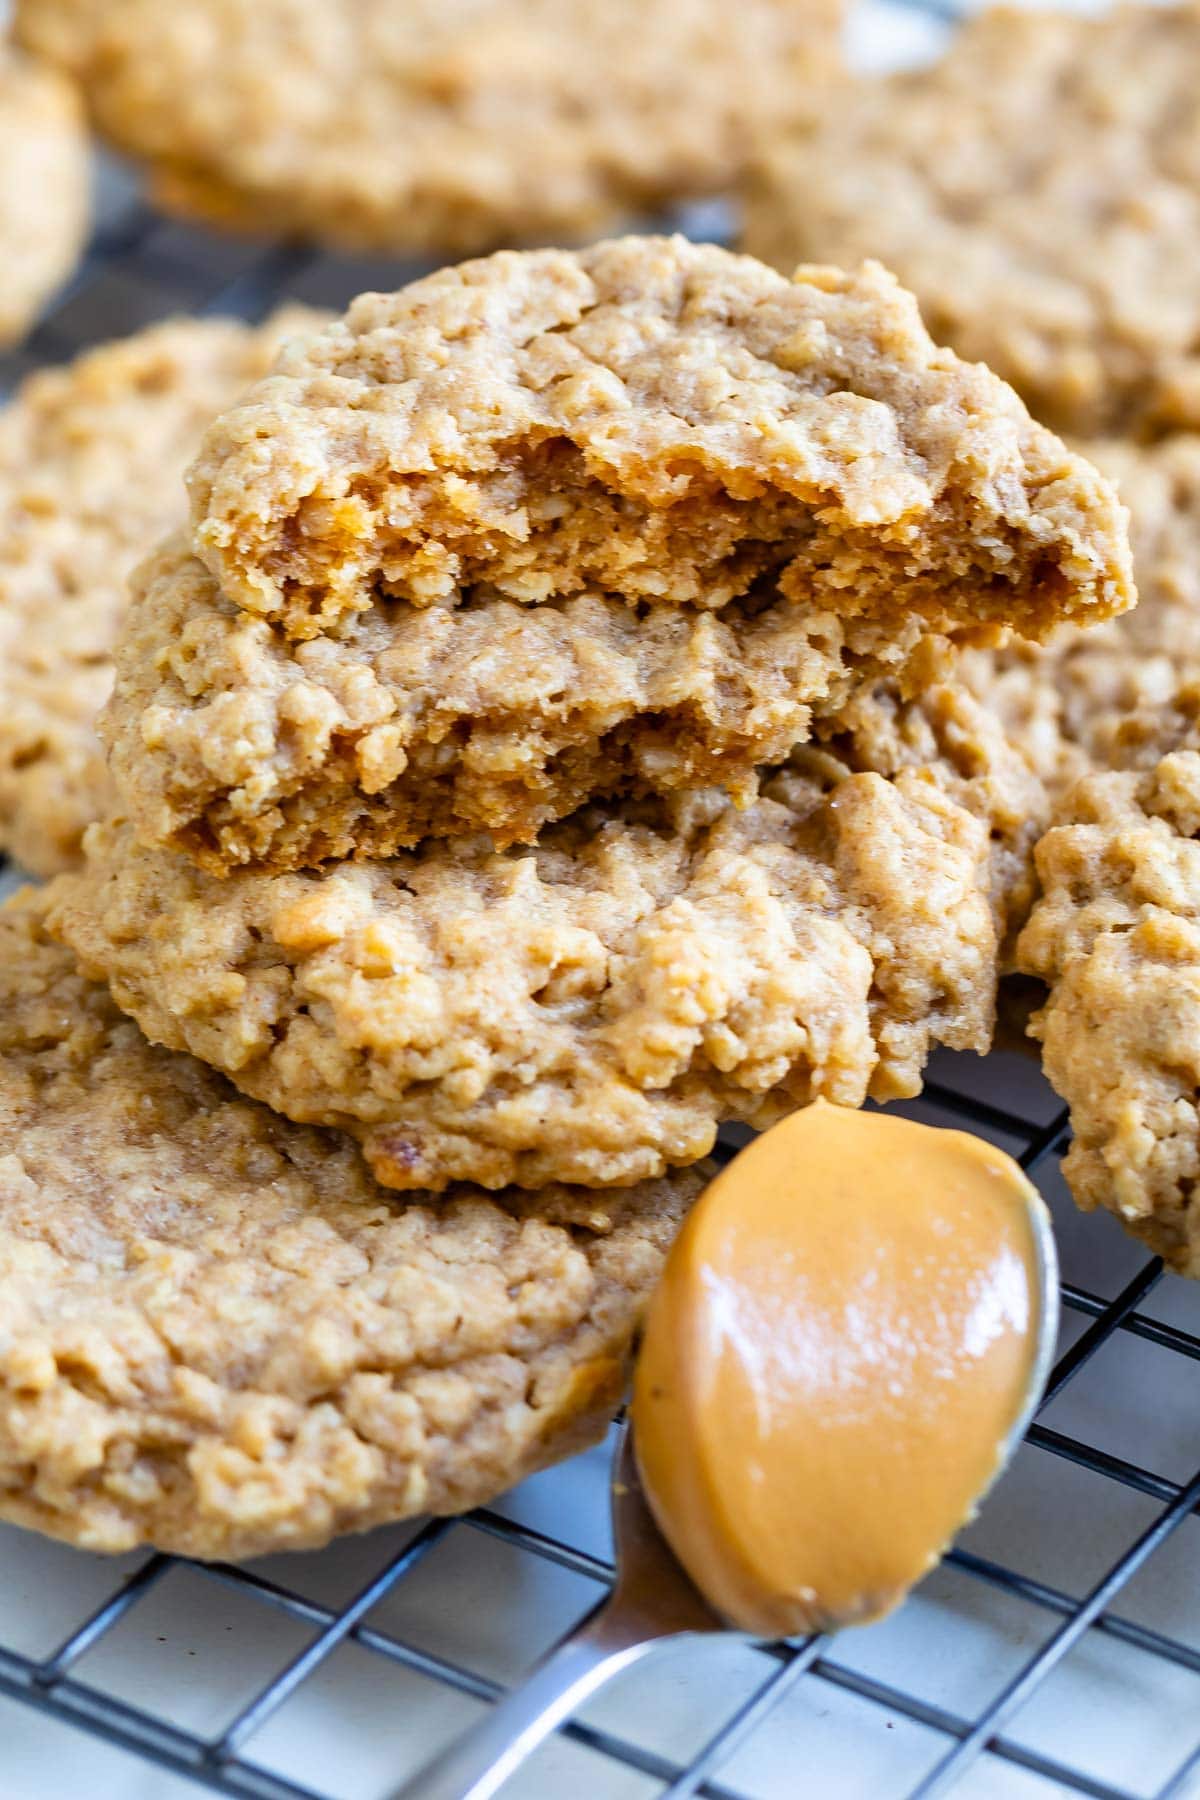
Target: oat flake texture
x=219 y=1337
x=548 y=527
x=91 y=474
x=592 y=1008
x=1064 y=703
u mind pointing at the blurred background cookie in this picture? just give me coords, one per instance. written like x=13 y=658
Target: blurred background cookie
x=431 y=126
x=43 y=187
x=1039 y=190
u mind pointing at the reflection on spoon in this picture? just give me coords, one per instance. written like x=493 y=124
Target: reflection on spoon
x=849 y=1336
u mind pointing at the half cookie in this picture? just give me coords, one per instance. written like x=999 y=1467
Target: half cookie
x=1116 y=937
x=593 y=1008
x=91 y=474
x=219 y=1337
x=552 y=527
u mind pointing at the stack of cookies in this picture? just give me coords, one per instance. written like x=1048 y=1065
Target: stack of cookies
x=541 y=744
x=437 y=737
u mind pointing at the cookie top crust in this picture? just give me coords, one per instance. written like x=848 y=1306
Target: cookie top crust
x=590 y=1009
x=44 y=175
x=431 y=126
x=1039 y=190
x=1116 y=937
x=92 y=457
x=1065 y=702
x=219 y=1337
x=659 y=420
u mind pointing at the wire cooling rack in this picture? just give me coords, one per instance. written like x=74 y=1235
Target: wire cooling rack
x=1057 y=1650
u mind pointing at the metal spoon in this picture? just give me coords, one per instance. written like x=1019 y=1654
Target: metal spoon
x=652 y=1600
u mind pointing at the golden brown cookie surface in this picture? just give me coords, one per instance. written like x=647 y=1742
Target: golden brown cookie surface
x=218 y=1336
x=931 y=724
x=550 y=527
x=1064 y=702
x=662 y=421
x=238 y=747
x=592 y=1008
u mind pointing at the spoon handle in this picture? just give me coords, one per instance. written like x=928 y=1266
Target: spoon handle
x=479 y=1763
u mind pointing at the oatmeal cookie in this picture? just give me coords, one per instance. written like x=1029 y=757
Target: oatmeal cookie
x=932 y=721
x=435 y=127
x=235 y=746
x=91 y=471
x=219 y=1337
x=1039 y=190
x=657 y=420
x=548 y=526
x=1065 y=702
x=1116 y=938
x=43 y=187
x=588 y=1010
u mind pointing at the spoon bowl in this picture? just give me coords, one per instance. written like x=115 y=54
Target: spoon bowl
x=654 y=1600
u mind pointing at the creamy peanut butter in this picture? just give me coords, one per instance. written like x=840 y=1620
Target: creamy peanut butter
x=833 y=1364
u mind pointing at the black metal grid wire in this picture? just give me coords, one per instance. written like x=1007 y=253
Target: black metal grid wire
x=141 y=267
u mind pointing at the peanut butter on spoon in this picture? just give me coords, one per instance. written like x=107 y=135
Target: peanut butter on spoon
x=849 y=1336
